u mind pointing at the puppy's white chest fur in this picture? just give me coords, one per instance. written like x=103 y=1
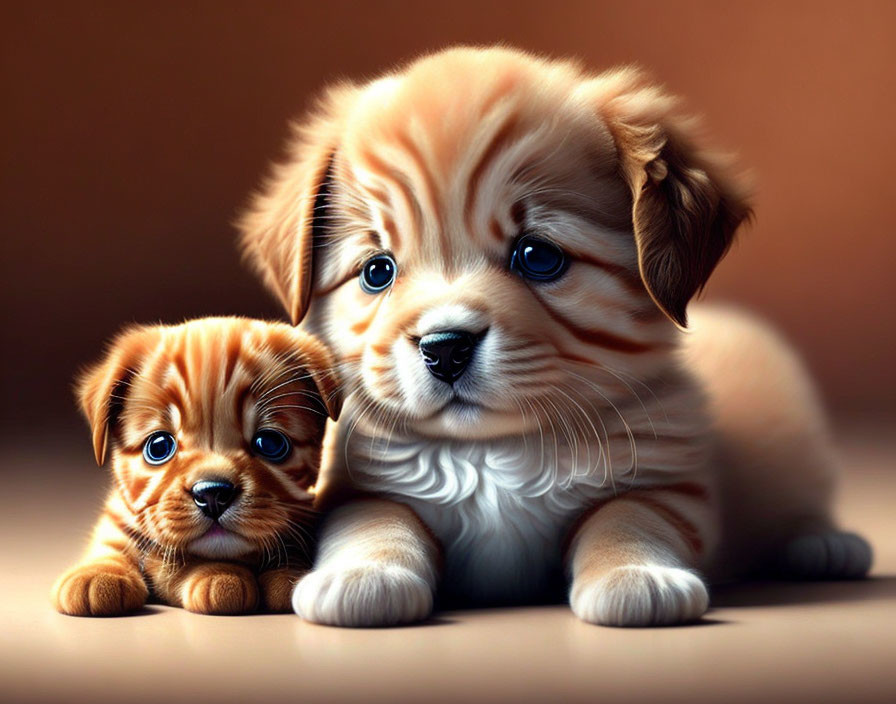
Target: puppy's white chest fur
x=500 y=508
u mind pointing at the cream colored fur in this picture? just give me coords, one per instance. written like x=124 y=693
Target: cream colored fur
x=591 y=438
x=777 y=468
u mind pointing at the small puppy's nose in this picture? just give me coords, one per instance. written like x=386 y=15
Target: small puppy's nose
x=447 y=354
x=213 y=497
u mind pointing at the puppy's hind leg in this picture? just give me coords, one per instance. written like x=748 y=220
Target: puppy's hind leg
x=779 y=467
x=828 y=555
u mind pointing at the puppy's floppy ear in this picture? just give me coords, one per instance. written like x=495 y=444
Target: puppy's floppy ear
x=101 y=388
x=321 y=366
x=314 y=356
x=686 y=203
x=278 y=228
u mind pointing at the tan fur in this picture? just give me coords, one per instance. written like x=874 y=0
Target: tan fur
x=588 y=417
x=687 y=204
x=211 y=383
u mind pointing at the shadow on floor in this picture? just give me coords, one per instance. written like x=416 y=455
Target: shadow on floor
x=789 y=593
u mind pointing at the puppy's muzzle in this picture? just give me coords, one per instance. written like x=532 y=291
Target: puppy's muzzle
x=213 y=497
x=448 y=354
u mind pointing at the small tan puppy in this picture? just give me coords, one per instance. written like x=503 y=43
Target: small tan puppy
x=213 y=428
x=500 y=250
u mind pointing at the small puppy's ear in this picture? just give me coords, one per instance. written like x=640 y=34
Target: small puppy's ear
x=328 y=385
x=687 y=204
x=278 y=228
x=321 y=366
x=101 y=388
x=315 y=357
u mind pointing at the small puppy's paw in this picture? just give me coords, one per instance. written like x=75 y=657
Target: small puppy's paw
x=276 y=589
x=640 y=595
x=833 y=555
x=100 y=589
x=370 y=594
x=220 y=590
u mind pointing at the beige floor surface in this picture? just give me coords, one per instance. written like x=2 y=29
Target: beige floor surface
x=771 y=643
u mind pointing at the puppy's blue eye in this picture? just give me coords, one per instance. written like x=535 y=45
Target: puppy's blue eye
x=273 y=445
x=538 y=259
x=378 y=273
x=159 y=448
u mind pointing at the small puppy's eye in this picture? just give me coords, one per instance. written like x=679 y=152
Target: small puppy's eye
x=538 y=259
x=378 y=273
x=273 y=445
x=159 y=448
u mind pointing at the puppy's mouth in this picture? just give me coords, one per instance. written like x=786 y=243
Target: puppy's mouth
x=464 y=417
x=457 y=406
x=220 y=542
x=462 y=412
x=216 y=529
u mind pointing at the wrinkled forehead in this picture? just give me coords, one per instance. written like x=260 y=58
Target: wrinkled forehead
x=452 y=163
x=219 y=390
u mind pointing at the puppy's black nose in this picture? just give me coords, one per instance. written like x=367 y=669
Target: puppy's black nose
x=447 y=354
x=213 y=497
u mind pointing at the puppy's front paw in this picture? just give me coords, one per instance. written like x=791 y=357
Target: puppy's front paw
x=636 y=595
x=364 y=595
x=276 y=589
x=100 y=589
x=220 y=590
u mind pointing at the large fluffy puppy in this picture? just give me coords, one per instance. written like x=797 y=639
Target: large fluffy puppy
x=501 y=251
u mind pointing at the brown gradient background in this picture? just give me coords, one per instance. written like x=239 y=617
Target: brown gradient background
x=132 y=134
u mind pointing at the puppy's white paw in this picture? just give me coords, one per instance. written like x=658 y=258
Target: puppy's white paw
x=362 y=595
x=637 y=595
x=833 y=555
